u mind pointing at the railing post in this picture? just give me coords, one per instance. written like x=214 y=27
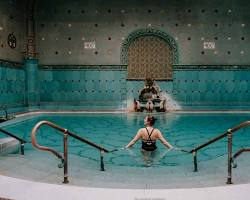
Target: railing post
x=65 y=148
x=195 y=161
x=102 y=163
x=6 y=113
x=22 y=148
x=229 y=166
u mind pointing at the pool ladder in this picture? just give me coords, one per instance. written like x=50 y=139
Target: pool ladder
x=64 y=158
x=231 y=157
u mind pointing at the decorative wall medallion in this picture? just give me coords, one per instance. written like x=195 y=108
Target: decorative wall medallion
x=12 y=40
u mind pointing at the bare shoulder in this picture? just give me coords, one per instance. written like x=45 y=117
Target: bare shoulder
x=141 y=130
x=157 y=131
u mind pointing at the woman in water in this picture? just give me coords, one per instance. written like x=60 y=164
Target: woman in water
x=149 y=135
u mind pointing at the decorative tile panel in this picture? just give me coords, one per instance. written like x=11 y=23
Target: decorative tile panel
x=149 y=56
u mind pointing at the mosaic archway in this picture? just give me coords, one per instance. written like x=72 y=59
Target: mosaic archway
x=149 y=53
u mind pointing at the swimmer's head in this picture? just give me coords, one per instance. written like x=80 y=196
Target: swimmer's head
x=149 y=120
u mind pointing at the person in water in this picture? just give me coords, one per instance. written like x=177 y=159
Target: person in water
x=149 y=135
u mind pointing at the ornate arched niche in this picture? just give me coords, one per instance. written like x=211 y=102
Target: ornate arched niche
x=149 y=53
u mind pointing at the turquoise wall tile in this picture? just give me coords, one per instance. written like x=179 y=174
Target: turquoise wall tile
x=104 y=87
x=81 y=86
x=213 y=86
x=12 y=86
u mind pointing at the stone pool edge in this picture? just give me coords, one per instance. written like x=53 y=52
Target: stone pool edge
x=14 y=188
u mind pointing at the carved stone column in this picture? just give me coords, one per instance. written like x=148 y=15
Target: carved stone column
x=31 y=61
x=30 y=27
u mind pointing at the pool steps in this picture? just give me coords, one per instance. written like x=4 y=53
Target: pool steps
x=9 y=145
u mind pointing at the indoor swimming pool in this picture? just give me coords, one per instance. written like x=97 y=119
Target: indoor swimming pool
x=128 y=168
x=78 y=78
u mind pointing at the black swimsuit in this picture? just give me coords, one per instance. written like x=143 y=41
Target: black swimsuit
x=149 y=144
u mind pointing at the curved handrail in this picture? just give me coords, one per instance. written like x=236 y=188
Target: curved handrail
x=238 y=153
x=63 y=130
x=232 y=130
x=43 y=148
x=64 y=158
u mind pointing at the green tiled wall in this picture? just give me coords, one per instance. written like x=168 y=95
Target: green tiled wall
x=108 y=88
x=12 y=86
x=32 y=82
x=211 y=88
x=83 y=87
x=190 y=87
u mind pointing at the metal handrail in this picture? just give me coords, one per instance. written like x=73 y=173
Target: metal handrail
x=7 y=117
x=64 y=158
x=229 y=134
x=22 y=141
x=209 y=142
x=234 y=129
x=5 y=110
x=238 y=153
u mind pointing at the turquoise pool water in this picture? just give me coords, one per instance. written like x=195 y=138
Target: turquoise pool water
x=125 y=168
x=112 y=131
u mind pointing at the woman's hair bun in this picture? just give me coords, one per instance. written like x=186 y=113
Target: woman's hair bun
x=151 y=119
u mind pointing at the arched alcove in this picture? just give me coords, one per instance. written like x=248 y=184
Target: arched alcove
x=149 y=53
